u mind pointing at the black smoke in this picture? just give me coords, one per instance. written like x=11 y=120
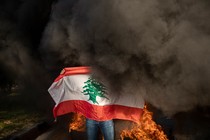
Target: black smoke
x=157 y=49
x=21 y=26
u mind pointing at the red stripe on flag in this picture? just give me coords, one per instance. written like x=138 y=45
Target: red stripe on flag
x=100 y=113
x=72 y=71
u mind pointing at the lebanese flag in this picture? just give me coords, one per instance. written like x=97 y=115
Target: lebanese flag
x=74 y=90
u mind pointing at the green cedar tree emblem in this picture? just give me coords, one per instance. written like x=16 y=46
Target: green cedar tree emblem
x=94 y=89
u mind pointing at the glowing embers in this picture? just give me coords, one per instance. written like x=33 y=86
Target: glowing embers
x=147 y=129
x=78 y=123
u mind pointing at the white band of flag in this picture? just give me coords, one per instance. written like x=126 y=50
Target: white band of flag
x=75 y=91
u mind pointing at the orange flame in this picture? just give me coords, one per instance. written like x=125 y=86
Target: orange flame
x=147 y=129
x=78 y=123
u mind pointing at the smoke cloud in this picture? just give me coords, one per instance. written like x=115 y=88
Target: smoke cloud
x=21 y=25
x=156 y=49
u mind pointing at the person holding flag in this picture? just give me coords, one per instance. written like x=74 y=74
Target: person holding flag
x=75 y=90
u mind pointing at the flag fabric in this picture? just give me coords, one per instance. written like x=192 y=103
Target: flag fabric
x=74 y=90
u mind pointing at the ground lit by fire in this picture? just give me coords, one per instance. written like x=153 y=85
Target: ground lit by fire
x=147 y=129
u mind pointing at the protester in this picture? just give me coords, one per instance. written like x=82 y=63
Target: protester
x=106 y=128
x=76 y=90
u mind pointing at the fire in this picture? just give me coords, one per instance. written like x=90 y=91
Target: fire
x=78 y=123
x=147 y=129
